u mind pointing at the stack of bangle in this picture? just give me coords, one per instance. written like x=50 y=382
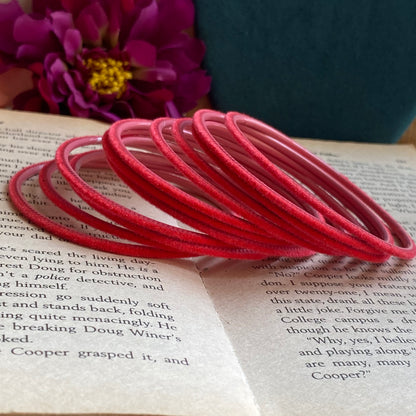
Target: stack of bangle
x=244 y=190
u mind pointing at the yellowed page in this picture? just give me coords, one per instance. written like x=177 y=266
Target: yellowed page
x=83 y=331
x=329 y=336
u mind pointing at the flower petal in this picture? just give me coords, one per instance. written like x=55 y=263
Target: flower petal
x=55 y=69
x=46 y=92
x=61 y=22
x=89 y=31
x=92 y=22
x=157 y=74
x=72 y=44
x=30 y=30
x=73 y=6
x=171 y=110
x=190 y=87
x=44 y=6
x=150 y=105
x=119 y=109
x=75 y=109
x=29 y=52
x=127 y=5
x=9 y=12
x=29 y=101
x=145 y=22
x=114 y=19
x=36 y=68
x=76 y=102
x=185 y=53
x=161 y=95
x=35 y=36
x=141 y=53
x=174 y=16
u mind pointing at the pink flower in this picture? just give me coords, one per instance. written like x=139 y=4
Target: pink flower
x=104 y=59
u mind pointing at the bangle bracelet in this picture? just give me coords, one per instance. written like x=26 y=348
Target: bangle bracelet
x=246 y=190
x=178 y=202
x=365 y=208
x=164 y=235
x=306 y=225
x=66 y=233
x=249 y=207
x=45 y=181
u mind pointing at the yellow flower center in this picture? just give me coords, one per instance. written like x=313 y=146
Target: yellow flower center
x=108 y=75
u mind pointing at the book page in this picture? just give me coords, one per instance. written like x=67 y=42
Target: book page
x=330 y=335
x=87 y=332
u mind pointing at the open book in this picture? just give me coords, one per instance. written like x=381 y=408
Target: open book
x=87 y=332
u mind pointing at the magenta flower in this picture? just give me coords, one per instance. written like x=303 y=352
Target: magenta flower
x=104 y=59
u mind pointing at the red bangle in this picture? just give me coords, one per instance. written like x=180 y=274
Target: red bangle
x=57 y=229
x=45 y=181
x=178 y=202
x=164 y=235
x=306 y=225
x=249 y=207
x=247 y=190
x=271 y=204
x=362 y=206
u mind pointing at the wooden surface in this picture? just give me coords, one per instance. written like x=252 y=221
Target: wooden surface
x=409 y=135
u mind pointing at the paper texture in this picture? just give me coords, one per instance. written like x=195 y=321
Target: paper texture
x=87 y=332
x=329 y=336
x=90 y=332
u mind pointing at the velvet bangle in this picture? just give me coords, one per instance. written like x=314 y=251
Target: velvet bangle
x=179 y=203
x=382 y=225
x=249 y=207
x=162 y=234
x=246 y=190
x=16 y=195
x=306 y=224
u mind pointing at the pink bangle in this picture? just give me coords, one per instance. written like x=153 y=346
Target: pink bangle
x=306 y=225
x=188 y=209
x=363 y=206
x=249 y=207
x=247 y=190
x=59 y=230
x=45 y=181
x=162 y=234
x=271 y=204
